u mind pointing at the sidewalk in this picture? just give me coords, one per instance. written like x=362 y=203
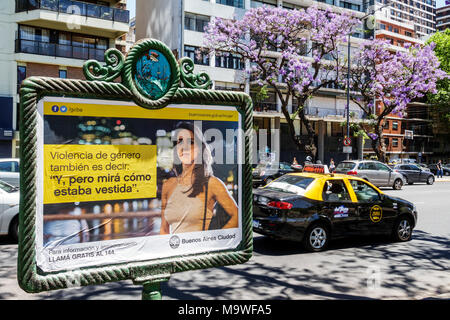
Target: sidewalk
x=443 y=179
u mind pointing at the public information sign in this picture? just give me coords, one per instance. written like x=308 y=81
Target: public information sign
x=135 y=179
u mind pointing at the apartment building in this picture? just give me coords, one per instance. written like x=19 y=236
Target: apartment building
x=420 y=13
x=443 y=17
x=411 y=136
x=187 y=20
x=51 y=38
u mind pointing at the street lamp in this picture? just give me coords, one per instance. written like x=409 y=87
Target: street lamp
x=348 y=70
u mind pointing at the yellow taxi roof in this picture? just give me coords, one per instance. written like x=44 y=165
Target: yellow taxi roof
x=315 y=192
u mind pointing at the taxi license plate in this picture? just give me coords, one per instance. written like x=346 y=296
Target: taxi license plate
x=256 y=224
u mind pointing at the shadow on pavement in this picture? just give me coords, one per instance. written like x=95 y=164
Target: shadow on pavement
x=416 y=268
x=408 y=270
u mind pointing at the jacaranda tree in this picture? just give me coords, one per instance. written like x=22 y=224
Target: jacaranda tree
x=390 y=79
x=295 y=52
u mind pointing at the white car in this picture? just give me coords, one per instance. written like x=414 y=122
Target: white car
x=9 y=210
x=9 y=171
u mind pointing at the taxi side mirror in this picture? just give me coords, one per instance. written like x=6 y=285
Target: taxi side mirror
x=382 y=197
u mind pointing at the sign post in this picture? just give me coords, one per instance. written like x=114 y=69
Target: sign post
x=136 y=179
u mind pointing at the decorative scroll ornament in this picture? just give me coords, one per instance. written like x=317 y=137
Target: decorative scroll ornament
x=191 y=80
x=113 y=69
x=151 y=73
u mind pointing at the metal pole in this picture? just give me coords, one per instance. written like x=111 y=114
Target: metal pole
x=348 y=93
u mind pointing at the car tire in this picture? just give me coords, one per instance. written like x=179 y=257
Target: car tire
x=14 y=229
x=430 y=180
x=447 y=173
x=398 y=184
x=402 y=229
x=316 y=238
x=408 y=182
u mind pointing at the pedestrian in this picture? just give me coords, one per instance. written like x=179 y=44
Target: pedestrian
x=440 y=169
x=332 y=166
x=295 y=162
x=308 y=160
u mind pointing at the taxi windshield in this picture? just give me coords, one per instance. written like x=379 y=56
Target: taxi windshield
x=290 y=184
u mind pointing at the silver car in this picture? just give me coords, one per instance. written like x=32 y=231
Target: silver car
x=373 y=171
x=9 y=171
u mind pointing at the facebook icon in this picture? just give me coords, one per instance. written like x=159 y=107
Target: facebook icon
x=55 y=108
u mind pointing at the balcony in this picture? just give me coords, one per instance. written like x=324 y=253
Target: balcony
x=59 y=50
x=69 y=15
x=265 y=107
x=332 y=112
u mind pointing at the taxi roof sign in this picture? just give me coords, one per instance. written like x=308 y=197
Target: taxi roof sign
x=316 y=168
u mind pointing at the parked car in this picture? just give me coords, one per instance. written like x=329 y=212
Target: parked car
x=423 y=166
x=375 y=172
x=413 y=173
x=433 y=169
x=9 y=171
x=314 y=208
x=266 y=173
x=9 y=210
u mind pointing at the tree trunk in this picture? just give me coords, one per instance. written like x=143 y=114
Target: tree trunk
x=291 y=127
x=311 y=147
x=378 y=145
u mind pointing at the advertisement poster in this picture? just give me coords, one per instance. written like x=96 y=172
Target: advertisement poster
x=119 y=183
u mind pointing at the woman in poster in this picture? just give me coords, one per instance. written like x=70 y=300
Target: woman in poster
x=188 y=199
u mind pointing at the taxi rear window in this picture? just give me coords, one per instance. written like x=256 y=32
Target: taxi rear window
x=290 y=184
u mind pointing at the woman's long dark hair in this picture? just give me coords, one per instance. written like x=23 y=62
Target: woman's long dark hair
x=201 y=171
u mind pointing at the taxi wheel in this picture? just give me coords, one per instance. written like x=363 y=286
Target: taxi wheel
x=316 y=238
x=403 y=229
x=398 y=184
x=430 y=180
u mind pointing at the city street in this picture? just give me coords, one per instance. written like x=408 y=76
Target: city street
x=359 y=268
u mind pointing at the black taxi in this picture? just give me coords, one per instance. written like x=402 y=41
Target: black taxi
x=315 y=206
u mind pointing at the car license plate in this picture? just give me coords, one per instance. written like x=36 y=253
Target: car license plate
x=256 y=224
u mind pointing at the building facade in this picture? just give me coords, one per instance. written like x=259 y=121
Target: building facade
x=327 y=110
x=443 y=17
x=410 y=137
x=51 y=38
x=419 y=13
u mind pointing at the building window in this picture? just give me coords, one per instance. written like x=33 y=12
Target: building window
x=260 y=3
x=395 y=142
x=408 y=34
x=63 y=74
x=21 y=75
x=56 y=43
x=394 y=125
x=233 y=3
x=229 y=61
x=195 y=22
x=349 y=5
x=196 y=55
x=386 y=125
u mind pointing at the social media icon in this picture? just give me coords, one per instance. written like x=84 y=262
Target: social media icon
x=55 y=108
x=63 y=109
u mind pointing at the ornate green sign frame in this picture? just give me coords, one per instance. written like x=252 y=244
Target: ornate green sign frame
x=101 y=85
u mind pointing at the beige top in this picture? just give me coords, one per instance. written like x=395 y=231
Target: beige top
x=185 y=214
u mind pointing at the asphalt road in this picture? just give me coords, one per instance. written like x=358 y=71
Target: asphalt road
x=359 y=268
